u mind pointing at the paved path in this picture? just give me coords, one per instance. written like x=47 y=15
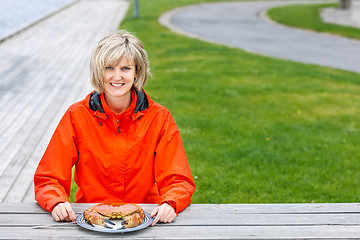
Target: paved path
x=42 y=71
x=244 y=25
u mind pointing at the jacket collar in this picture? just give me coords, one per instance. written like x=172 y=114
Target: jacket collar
x=96 y=105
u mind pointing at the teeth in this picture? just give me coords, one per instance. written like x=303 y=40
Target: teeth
x=117 y=84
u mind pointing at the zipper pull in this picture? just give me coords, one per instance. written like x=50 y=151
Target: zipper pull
x=119 y=129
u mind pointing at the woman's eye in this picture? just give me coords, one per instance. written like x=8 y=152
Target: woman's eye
x=126 y=68
x=109 y=68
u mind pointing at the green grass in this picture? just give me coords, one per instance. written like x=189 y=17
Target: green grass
x=308 y=17
x=255 y=129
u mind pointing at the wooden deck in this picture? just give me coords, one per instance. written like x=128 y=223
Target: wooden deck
x=42 y=71
x=199 y=221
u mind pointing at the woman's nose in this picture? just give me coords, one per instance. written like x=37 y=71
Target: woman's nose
x=117 y=74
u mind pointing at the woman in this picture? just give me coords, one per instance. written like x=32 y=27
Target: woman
x=125 y=147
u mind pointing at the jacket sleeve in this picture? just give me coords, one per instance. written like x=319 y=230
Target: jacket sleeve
x=52 y=178
x=172 y=172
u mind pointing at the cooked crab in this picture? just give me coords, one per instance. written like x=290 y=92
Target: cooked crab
x=131 y=214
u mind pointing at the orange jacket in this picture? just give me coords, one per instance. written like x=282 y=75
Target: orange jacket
x=136 y=156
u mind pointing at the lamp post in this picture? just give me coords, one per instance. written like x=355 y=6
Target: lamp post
x=355 y=11
x=136 y=8
x=344 y=4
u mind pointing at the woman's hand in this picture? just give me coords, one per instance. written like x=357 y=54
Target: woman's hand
x=63 y=212
x=164 y=213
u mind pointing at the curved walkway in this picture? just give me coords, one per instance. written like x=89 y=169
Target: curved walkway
x=43 y=70
x=245 y=25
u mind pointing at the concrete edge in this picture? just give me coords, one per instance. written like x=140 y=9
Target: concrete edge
x=36 y=21
x=165 y=20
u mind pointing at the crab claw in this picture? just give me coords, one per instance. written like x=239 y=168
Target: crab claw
x=133 y=220
x=94 y=218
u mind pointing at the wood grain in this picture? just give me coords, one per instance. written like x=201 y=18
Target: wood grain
x=199 y=221
x=43 y=70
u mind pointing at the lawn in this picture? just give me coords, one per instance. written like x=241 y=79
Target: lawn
x=308 y=17
x=255 y=129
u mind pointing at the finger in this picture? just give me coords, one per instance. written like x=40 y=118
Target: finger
x=55 y=216
x=64 y=214
x=154 y=212
x=57 y=212
x=68 y=218
x=172 y=218
x=69 y=212
x=169 y=217
x=169 y=213
x=66 y=210
x=157 y=218
x=72 y=215
x=60 y=216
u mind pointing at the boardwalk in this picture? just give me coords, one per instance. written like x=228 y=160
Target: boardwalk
x=42 y=71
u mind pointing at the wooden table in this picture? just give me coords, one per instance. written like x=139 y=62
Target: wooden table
x=200 y=221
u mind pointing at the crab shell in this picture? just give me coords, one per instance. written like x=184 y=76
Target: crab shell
x=132 y=213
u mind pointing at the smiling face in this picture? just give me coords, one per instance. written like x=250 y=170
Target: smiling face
x=118 y=80
x=115 y=46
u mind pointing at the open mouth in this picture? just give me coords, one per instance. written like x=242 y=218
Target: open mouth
x=117 y=84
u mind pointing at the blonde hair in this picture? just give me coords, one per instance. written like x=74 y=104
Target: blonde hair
x=111 y=49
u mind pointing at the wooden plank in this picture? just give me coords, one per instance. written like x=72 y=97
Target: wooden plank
x=42 y=132
x=44 y=218
x=27 y=110
x=18 y=153
x=198 y=215
x=30 y=194
x=216 y=209
x=45 y=57
x=278 y=208
x=13 y=208
x=33 y=207
x=28 y=220
x=21 y=177
x=28 y=72
x=43 y=70
x=169 y=231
